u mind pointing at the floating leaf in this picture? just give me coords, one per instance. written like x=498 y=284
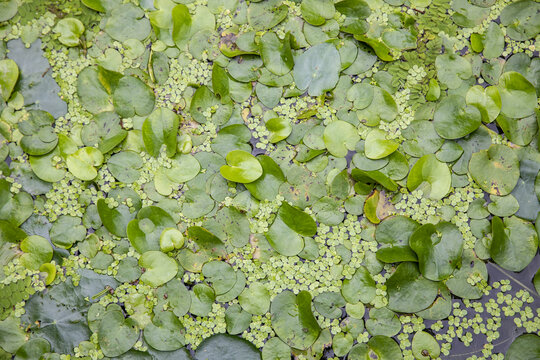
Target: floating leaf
x=221 y=346
x=242 y=167
x=293 y=320
x=454 y=119
x=165 y=333
x=82 y=163
x=37 y=251
x=340 y=137
x=495 y=170
x=377 y=146
x=144 y=232
x=160 y=128
x=518 y=95
x=116 y=335
x=438 y=248
x=431 y=176
x=9 y=73
x=514 y=243
x=526 y=346
x=424 y=346
x=317 y=69
x=276 y=54
x=70 y=30
x=408 y=291
x=279 y=128
x=159 y=268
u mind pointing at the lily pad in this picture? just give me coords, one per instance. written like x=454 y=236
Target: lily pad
x=70 y=30
x=165 y=333
x=159 y=268
x=518 y=95
x=408 y=291
x=377 y=146
x=514 y=243
x=438 y=248
x=116 y=335
x=431 y=176
x=242 y=167
x=454 y=119
x=317 y=69
x=340 y=137
x=495 y=170
x=9 y=73
x=293 y=320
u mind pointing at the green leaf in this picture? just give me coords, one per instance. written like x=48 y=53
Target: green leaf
x=514 y=243
x=379 y=347
x=438 y=248
x=471 y=267
x=380 y=48
x=452 y=69
x=221 y=346
x=393 y=234
x=293 y=320
x=340 y=137
x=116 y=335
x=12 y=336
x=255 y=299
x=220 y=82
x=408 y=291
x=105 y=132
x=524 y=347
x=70 y=30
x=39 y=136
x=144 y=231
x=116 y=219
x=283 y=239
x=160 y=268
x=82 y=163
x=202 y=298
x=377 y=146
x=266 y=14
x=487 y=100
x=221 y=275
x=280 y=129
x=276 y=54
x=495 y=170
x=181 y=24
x=160 y=128
x=242 y=167
x=205 y=106
x=165 y=333
x=133 y=97
x=518 y=95
x=8 y=9
x=33 y=349
x=267 y=186
x=274 y=349
x=424 y=346
x=317 y=69
x=360 y=287
x=383 y=322
x=520 y=20
x=431 y=176
x=316 y=12
x=124 y=166
x=37 y=251
x=127 y=21
x=66 y=231
x=92 y=93
x=454 y=119
x=9 y=73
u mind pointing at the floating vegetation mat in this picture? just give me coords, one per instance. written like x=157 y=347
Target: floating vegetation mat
x=269 y=179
